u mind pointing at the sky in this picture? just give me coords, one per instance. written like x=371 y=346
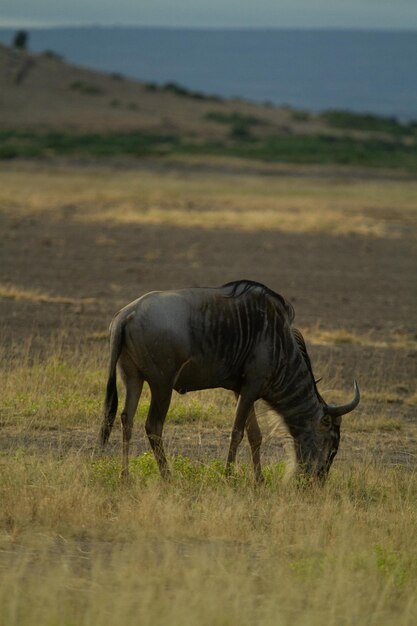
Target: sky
x=380 y=14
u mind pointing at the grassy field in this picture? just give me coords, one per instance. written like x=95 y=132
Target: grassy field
x=77 y=546
x=254 y=202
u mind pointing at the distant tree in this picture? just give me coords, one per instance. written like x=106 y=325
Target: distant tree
x=21 y=39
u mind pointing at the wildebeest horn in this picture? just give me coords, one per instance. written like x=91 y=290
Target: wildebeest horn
x=338 y=411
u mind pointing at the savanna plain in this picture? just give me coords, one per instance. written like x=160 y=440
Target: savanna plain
x=81 y=238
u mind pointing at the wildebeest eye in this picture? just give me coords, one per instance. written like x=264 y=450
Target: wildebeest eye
x=325 y=421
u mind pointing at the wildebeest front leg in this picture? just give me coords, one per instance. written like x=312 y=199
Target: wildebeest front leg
x=255 y=440
x=243 y=409
x=161 y=398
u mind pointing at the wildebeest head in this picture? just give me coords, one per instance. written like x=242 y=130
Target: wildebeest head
x=328 y=436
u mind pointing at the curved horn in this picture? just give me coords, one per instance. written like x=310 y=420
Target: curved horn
x=338 y=411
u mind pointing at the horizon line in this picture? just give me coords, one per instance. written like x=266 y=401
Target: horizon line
x=56 y=26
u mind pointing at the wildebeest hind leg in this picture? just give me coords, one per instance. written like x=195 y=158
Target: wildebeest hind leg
x=161 y=398
x=133 y=390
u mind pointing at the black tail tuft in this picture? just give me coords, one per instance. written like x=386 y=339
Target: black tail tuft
x=111 y=400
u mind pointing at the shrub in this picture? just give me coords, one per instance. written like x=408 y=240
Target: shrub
x=366 y=122
x=51 y=54
x=21 y=39
x=86 y=88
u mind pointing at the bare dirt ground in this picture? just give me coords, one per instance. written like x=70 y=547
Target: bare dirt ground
x=364 y=284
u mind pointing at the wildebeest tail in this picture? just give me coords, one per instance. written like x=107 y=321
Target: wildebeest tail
x=111 y=399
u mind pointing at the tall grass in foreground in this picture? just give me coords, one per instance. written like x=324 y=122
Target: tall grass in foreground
x=76 y=547
x=79 y=548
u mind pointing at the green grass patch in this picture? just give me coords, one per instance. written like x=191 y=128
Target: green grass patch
x=240 y=124
x=59 y=393
x=235 y=120
x=293 y=149
x=28 y=145
x=144 y=469
x=368 y=122
x=51 y=395
x=319 y=150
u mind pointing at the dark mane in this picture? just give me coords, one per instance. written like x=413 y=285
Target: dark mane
x=241 y=287
x=303 y=349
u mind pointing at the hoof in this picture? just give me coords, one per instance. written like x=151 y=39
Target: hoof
x=166 y=475
x=259 y=480
x=124 y=476
x=230 y=475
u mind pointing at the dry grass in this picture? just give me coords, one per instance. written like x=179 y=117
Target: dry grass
x=65 y=390
x=76 y=547
x=412 y=400
x=343 y=336
x=211 y=200
x=11 y=292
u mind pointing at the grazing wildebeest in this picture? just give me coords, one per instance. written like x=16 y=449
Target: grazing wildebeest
x=239 y=337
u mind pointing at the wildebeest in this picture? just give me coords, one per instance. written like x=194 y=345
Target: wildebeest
x=239 y=337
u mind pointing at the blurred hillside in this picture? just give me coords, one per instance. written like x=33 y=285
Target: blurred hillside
x=45 y=92
x=41 y=94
